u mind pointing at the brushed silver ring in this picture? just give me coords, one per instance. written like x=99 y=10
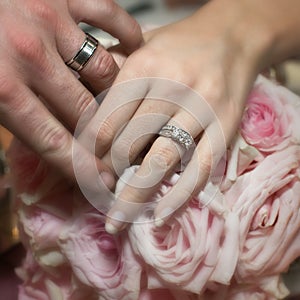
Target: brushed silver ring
x=84 y=54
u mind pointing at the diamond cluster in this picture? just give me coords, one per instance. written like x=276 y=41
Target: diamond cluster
x=178 y=135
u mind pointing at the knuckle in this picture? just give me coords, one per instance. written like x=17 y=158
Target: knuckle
x=133 y=151
x=12 y=99
x=88 y=138
x=105 y=133
x=32 y=49
x=150 y=58
x=135 y=195
x=104 y=65
x=205 y=163
x=43 y=11
x=123 y=149
x=27 y=46
x=164 y=156
x=109 y=8
x=134 y=30
x=187 y=79
x=143 y=57
x=7 y=87
x=83 y=103
x=131 y=194
x=55 y=140
x=185 y=74
x=212 y=93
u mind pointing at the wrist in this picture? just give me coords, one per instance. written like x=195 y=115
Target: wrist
x=263 y=32
x=271 y=28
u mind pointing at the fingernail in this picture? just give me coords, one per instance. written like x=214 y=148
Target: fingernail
x=110 y=228
x=117 y=218
x=159 y=222
x=107 y=179
x=160 y=219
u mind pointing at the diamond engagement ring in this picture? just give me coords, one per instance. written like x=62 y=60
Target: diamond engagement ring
x=178 y=135
x=84 y=54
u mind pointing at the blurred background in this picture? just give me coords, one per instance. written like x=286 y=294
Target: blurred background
x=148 y=13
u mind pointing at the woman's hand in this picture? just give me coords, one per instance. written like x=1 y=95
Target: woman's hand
x=195 y=75
x=40 y=98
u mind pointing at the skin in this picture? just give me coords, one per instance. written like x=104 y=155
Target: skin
x=213 y=57
x=40 y=98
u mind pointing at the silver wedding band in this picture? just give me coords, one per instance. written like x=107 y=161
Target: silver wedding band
x=84 y=54
x=178 y=135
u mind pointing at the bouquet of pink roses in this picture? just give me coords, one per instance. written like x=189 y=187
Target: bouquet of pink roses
x=234 y=247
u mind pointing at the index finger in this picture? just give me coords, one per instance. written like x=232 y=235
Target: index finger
x=110 y=17
x=29 y=120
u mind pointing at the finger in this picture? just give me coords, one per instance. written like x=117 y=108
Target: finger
x=118 y=106
x=161 y=103
x=99 y=69
x=137 y=134
x=141 y=185
x=25 y=116
x=45 y=72
x=61 y=91
x=159 y=162
x=110 y=17
x=199 y=171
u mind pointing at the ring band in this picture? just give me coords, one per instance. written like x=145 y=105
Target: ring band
x=84 y=54
x=178 y=135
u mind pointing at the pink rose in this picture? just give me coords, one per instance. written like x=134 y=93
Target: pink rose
x=271 y=118
x=241 y=158
x=100 y=260
x=41 y=285
x=41 y=223
x=39 y=231
x=171 y=294
x=194 y=248
x=267 y=201
x=156 y=295
x=265 y=288
x=230 y=242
